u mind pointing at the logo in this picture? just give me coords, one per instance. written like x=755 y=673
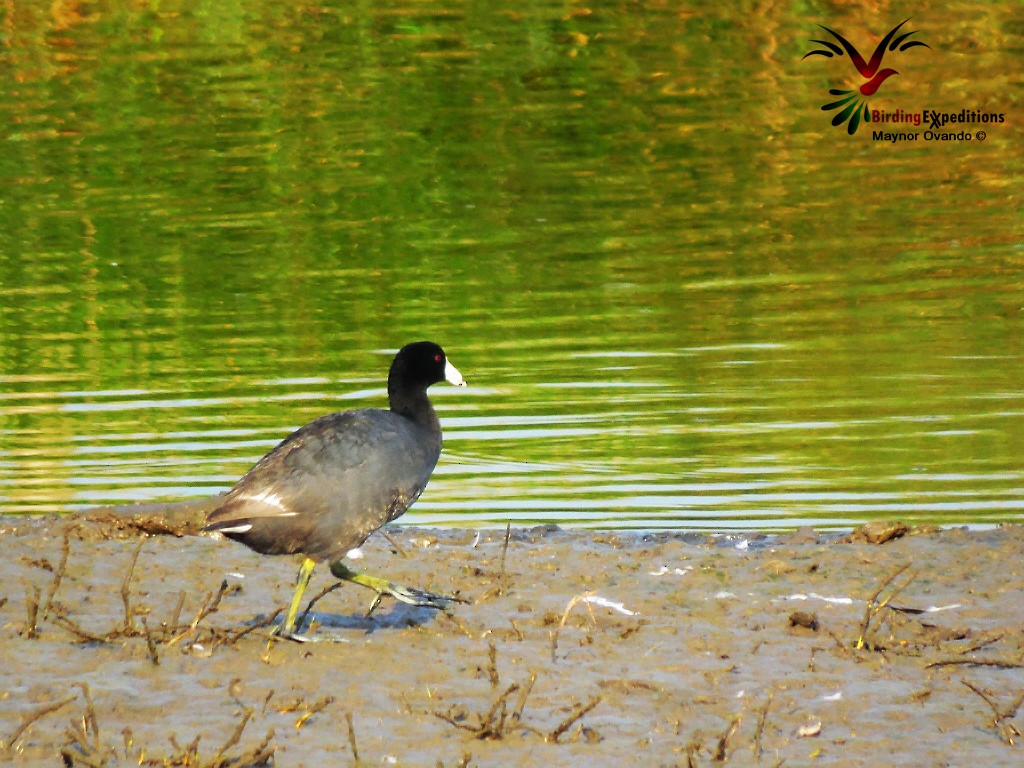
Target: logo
x=853 y=105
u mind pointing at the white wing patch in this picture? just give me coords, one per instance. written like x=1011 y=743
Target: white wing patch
x=236 y=529
x=271 y=499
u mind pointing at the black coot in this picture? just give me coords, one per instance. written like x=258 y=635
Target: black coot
x=332 y=483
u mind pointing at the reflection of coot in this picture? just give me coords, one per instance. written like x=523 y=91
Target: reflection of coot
x=332 y=483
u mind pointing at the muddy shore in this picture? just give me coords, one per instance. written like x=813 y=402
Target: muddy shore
x=574 y=648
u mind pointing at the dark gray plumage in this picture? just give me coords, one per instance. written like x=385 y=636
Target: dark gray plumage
x=329 y=485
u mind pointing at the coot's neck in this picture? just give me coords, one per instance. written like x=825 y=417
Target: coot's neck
x=412 y=403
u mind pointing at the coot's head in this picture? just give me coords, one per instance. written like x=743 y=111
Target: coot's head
x=420 y=364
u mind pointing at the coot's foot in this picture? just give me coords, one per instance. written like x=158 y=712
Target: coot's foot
x=418 y=597
x=280 y=633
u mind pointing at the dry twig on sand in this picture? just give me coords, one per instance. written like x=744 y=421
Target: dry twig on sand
x=32 y=597
x=488 y=726
x=1001 y=716
x=1000 y=663
x=721 y=752
x=496 y=723
x=31 y=717
x=58 y=576
x=126 y=591
x=581 y=598
x=504 y=552
x=875 y=606
x=576 y=714
x=134 y=622
x=492 y=664
x=352 y=737
x=755 y=746
x=84 y=745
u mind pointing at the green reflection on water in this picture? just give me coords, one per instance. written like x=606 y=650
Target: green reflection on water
x=681 y=296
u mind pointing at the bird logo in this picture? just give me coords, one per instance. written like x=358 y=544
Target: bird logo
x=852 y=107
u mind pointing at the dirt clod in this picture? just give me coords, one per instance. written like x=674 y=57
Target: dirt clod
x=804 y=619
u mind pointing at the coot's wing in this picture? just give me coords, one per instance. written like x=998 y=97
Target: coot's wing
x=329 y=485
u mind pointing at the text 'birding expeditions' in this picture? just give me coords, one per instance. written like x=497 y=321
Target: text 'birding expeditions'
x=940 y=126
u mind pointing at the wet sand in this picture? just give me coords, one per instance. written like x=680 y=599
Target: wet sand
x=575 y=648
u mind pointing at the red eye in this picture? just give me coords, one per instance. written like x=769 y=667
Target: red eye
x=437 y=358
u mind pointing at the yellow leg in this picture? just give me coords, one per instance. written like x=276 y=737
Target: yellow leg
x=305 y=572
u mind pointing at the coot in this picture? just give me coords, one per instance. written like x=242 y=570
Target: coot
x=329 y=485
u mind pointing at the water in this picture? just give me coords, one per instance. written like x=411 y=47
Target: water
x=680 y=297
